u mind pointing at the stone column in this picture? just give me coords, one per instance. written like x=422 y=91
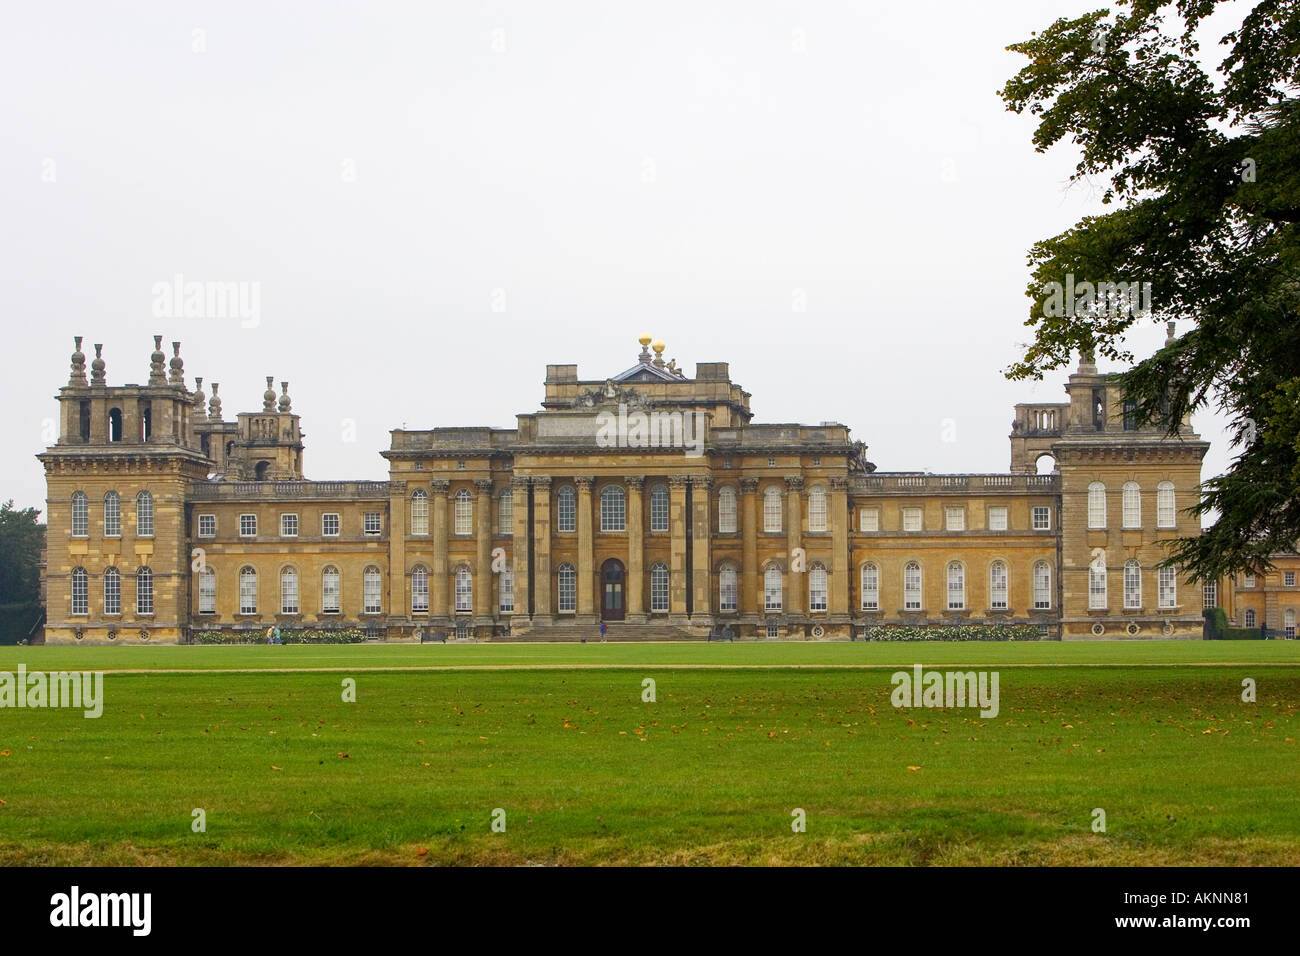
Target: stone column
x=399 y=602
x=542 y=547
x=677 y=583
x=796 y=581
x=701 y=606
x=438 y=585
x=519 y=545
x=840 y=574
x=586 y=571
x=483 y=607
x=750 y=579
x=635 y=551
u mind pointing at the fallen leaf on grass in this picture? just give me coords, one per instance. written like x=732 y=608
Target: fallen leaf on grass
x=913 y=768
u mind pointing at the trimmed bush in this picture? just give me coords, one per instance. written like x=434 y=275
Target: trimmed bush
x=955 y=632
x=296 y=635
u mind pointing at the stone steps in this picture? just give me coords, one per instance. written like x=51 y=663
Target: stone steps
x=615 y=632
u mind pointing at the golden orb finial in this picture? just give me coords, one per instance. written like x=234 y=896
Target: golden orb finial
x=644 y=339
x=659 y=346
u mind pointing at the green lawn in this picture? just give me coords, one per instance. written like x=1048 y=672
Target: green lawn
x=558 y=737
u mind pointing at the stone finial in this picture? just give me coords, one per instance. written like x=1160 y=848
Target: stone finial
x=97 y=366
x=157 y=373
x=286 y=404
x=200 y=401
x=78 y=377
x=214 y=405
x=1170 y=337
x=177 y=364
x=1087 y=362
x=268 y=397
x=659 y=347
x=644 y=357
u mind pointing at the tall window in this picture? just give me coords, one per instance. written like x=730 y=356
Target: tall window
x=80 y=592
x=911 y=586
x=566 y=510
x=772 y=508
x=1132 y=585
x=998 y=585
x=464 y=589
x=1249 y=617
x=329 y=590
x=613 y=508
x=80 y=514
x=1096 y=505
x=658 y=508
x=1288 y=622
x=419 y=511
x=207 y=591
x=773 y=588
x=817 y=587
x=144 y=591
x=112 y=515
x=1042 y=585
x=726 y=509
x=1096 y=587
x=870 y=587
x=144 y=515
x=1166 y=513
x=419 y=589
x=659 y=587
x=247 y=590
x=817 y=509
x=956 y=586
x=506 y=591
x=1132 y=501
x=506 y=511
x=464 y=512
x=289 y=590
x=372 y=591
x=728 y=589
x=113 y=590
x=1210 y=595
x=567 y=585
x=1167 y=579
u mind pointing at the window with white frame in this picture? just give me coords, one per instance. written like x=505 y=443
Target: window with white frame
x=818 y=587
x=112 y=515
x=1042 y=518
x=464 y=589
x=772 y=509
x=911 y=519
x=727 y=509
x=998 y=518
x=1166 y=512
x=1131 y=500
x=1096 y=588
x=506 y=512
x=464 y=512
x=329 y=525
x=144 y=591
x=419 y=511
x=1288 y=622
x=954 y=519
x=566 y=509
x=144 y=515
x=773 y=588
x=80 y=515
x=289 y=590
x=911 y=586
x=998 y=585
x=419 y=589
x=288 y=526
x=207 y=526
x=113 y=589
x=1096 y=505
x=372 y=523
x=330 y=590
x=817 y=508
x=80 y=591
x=659 y=587
x=1132 y=585
x=658 y=508
x=869 y=520
x=1167 y=582
x=566 y=581
x=1042 y=585
x=1249 y=617
x=247 y=590
x=372 y=591
x=208 y=591
x=506 y=591
x=613 y=508
x=956 y=586
x=870 y=587
x=728 y=588
x=1288 y=579
x=247 y=526
x=1209 y=595
x=1250 y=580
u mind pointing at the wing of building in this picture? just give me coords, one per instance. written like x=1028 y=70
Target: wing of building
x=648 y=499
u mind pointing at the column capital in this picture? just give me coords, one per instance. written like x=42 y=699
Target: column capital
x=702 y=481
x=634 y=481
x=584 y=482
x=794 y=482
x=677 y=481
x=839 y=484
x=397 y=488
x=518 y=481
x=484 y=485
x=440 y=486
x=542 y=481
x=749 y=485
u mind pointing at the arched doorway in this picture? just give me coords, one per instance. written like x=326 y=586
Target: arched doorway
x=613 y=606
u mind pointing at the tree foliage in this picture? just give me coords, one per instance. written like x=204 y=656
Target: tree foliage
x=21 y=541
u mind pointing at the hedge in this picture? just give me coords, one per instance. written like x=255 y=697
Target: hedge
x=296 y=635
x=955 y=632
x=16 y=620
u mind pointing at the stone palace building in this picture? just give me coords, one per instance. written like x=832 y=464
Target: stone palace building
x=649 y=499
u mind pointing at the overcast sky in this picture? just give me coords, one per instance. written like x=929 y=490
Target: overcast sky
x=435 y=200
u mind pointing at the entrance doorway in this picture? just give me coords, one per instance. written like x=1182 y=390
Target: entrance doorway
x=612 y=604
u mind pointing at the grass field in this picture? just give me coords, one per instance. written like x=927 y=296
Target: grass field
x=557 y=736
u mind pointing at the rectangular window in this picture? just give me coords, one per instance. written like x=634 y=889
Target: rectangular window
x=1042 y=518
x=373 y=524
x=1288 y=579
x=1168 y=580
x=372 y=586
x=144 y=591
x=288 y=526
x=1042 y=586
x=329 y=525
x=112 y=516
x=954 y=519
x=207 y=593
x=1210 y=595
x=1097 y=589
x=869 y=519
x=247 y=593
x=998 y=518
x=247 y=526
x=506 y=592
x=870 y=588
x=911 y=519
x=112 y=592
x=80 y=592
x=771 y=629
x=207 y=526
x=1250 y=580
x=329 y=592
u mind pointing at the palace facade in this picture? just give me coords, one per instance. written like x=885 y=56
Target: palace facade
x=650 y=500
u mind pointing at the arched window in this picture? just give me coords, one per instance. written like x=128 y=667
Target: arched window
x=728 y=588
x=773 y=588
x=1097 y=599
x=80 y=591
x=330 y=590
x=247 y=590
x=659 y=587
x=289 y=590
x=419 y=511
x=566 y=510
x=80 y=514
x=1249 y=617
x=1132 y=505
x=613 y=508
x=143 y=591
x=911 y=586
x=998 y=585
x=144 y=515
x=566 y=581
x=818 y=586
x=817 y=509
x=659 y=508
x=115 y=424
x=956 y=586
x=464 y=589
x=772 y=508
x=113 y=590
x=1132 y=585
x=419 y=589
x=506 y=591
x=870 y=587
x=207 y=591
x=1288 y=622
x=1096 y=505
x=727 y=509
x=1167 y=587
x=1166 y=513
x=1042 y=585
x=372 y=591
x=112 y=515
x=506 y=511
x=464 y=511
